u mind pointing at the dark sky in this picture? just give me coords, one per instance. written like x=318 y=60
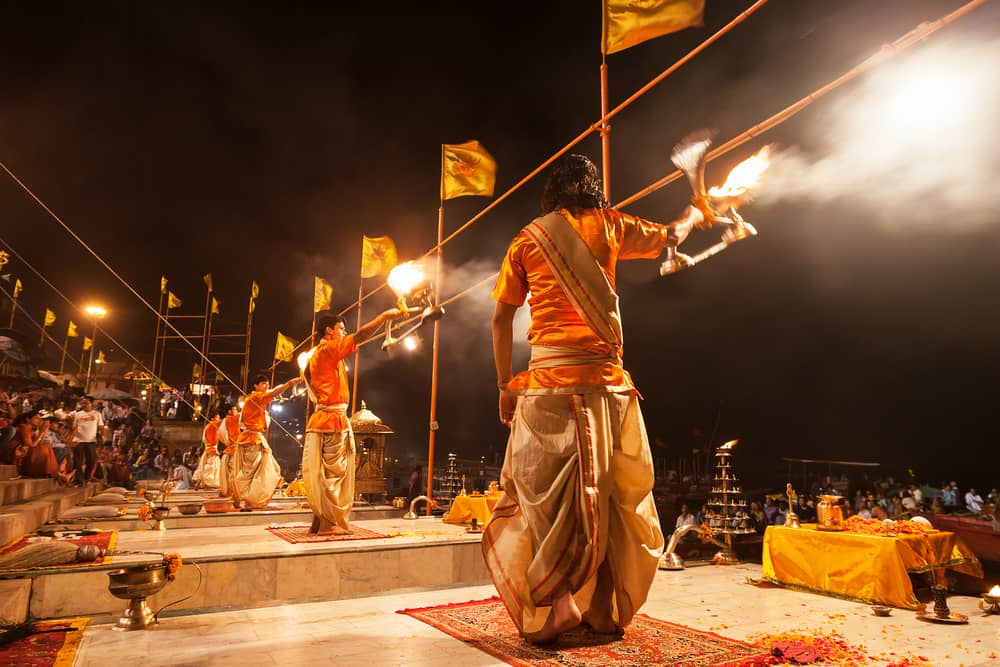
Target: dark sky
x=260 y=142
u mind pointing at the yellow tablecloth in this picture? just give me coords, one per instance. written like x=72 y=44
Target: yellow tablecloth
x=466 y=508
x=864 y=568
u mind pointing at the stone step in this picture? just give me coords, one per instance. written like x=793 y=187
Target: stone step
x=18 y=490
x=7 y=472
x=27 y=516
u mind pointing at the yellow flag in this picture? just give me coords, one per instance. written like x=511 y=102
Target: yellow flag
x=163 y=284
x=87 y=343
x=631 y=22
x=208 y=281
x=71 y=330
x=284 y=347
x=215 y=306
x=196 y=371
x=378 y=255
x=254 y=290
x=18 y=288
x=322 y=295
x=100 y=358
x=172 y=301
x=50 y=318
x=467 y=169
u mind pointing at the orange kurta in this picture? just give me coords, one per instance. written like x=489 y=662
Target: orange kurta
x=254 y=418
x=232 y=426
x=328 y=382
x=611 y=235
x=211 y=434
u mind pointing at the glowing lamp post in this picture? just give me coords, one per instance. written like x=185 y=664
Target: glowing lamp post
x=96 y=313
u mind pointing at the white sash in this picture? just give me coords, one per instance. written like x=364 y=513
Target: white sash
x=579 y=275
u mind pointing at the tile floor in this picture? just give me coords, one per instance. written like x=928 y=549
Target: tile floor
x=367 y=631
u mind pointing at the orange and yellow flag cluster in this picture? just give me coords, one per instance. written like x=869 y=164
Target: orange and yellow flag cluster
x=467 y=169
x=378 y=255
x=630 y=22
x=284 y=347
x=322 y=295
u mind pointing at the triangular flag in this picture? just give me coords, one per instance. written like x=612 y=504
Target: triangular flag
x=71 y=330
x=87 y=342
x=378 y=255
x=254 y=290
x=50 y=318
x=208 y=281
x=163 y=284
x=467 y=169
x=630 y=22
x=18 y=288
x=322 y=295
x=284 y=347
x=173 y=301
x=215 y=306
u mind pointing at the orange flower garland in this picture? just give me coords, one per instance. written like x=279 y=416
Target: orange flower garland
x=862 y=526
x=145 y=512
x=173 y=563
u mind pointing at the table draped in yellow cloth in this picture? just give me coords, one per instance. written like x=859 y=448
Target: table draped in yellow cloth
x=466 y=508
x=864 y=568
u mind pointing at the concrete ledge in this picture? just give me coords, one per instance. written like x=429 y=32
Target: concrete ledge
x=8 y=472
x=14 y=597
x=17 y=490
x=250 y=582
x=26 y=517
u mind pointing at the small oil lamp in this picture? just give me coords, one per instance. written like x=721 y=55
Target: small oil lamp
x=719 y=204
x=991 y=601
x=408 y=281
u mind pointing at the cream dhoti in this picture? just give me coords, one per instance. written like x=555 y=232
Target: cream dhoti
x=207 y=472
x=253 y=473
x=578 y=480
x=328 y=471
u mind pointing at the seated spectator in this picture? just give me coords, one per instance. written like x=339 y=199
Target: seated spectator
x=805 y=512
x=38 y=460
x=973 y=501
x=685 y=518
x=181 y=476
x=757 y=518
x=770 y=511
x=866 y=510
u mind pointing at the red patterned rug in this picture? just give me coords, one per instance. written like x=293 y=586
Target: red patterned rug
x=300 y=534
x=50 y=644
x=105 y=540
x=486 y=625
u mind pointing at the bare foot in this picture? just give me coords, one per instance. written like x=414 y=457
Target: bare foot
x=601 y=623
x=323 y=527
x=565 y=616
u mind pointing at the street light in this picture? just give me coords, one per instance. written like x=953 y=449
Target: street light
x=96 y=313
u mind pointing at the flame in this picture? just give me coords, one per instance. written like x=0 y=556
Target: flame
x=995 y=592
x=410 y=343
x=744 y=176
x=304 y=358
x=404 y=277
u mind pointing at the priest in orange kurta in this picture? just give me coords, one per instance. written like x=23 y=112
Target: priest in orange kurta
x=252 y=472
x=207 y=473
x=575 y=537
x=328 y=458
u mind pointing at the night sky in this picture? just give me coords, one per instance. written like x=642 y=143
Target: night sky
x=260 y=143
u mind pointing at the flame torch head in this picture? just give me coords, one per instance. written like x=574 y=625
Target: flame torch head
x=742 y=179
x=405 y=277
x=304 y=357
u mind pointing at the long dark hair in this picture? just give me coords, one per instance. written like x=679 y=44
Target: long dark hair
x=574 y=183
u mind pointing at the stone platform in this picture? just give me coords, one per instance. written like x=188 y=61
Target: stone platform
x=247 y=565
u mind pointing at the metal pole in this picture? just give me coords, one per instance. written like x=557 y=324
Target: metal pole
x=90 y=364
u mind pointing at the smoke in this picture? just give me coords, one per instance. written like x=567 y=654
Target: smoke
x=912 y=144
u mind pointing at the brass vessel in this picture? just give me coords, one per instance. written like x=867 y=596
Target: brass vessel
x=135 y=583
x=829 y=514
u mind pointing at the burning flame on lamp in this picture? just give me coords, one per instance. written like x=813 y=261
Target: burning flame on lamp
x=744 y=177
x=304 y=358
x=408 y=281
x=405 y=277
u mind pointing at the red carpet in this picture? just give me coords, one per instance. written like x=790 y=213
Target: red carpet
x=106 y=541
x=486 y=625
x=51 y=644
x=300 y=534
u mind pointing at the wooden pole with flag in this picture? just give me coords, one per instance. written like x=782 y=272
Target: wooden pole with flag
x=213 y=311
x=254 y=293
x=154 y=385
x=357 y=351
x=13 y=301
x=173 y=301
x=322 y=300
x=625 y=23
x=207 y=278
x=50 y=319
x=70 y=333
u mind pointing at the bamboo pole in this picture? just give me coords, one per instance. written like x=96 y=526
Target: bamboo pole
x=433 y=425
x=605 y=129
x=357 y=352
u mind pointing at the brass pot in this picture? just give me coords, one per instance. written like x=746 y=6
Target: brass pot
x=135 y=583
x=829 y=515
